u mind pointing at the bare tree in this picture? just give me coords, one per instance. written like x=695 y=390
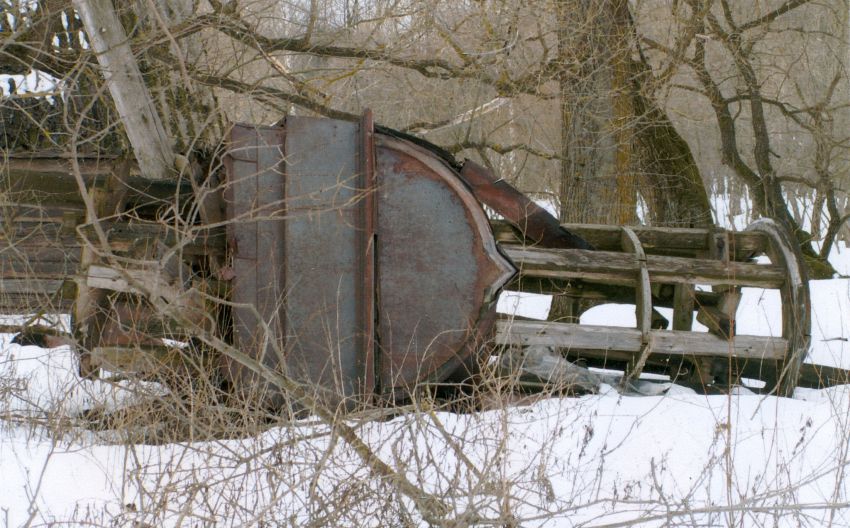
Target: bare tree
x=773 y=103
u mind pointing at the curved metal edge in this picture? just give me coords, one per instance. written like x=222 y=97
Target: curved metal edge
x=502 y=263
x=796 y=301
x=462 y=367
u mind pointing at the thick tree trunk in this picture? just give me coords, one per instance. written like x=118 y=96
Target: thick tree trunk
x=670 y=180
x=616 y=142
x=596 y=180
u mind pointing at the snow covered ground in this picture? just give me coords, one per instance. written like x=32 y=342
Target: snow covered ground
x=602 y=460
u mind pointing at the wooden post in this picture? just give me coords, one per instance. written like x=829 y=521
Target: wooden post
x=151 y=144
x=683 y=307
x=720 y=318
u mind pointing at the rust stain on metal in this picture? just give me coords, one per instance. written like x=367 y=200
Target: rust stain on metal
x=533 y=221
x=439 y=268
x=360 y=263
x=368 y=185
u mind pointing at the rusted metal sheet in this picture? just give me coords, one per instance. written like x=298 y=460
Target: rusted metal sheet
x=536 y=223
x=439 y=269
x=323 y=264
x=302 y=255
x=361 y=263
x=254 y=161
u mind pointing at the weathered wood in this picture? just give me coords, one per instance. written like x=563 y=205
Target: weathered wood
x=138 y=281
x=593 y=291
x=796 y=304
x=821 y=376
x=28 y=286
x=141 y=358
x=15 y=304
x=643 y=302
x=151 y=145
x=683 y=307
x=720 y=318
x=643 y=290
x=655 y=240
x=48 y=184
x=669 y=342
x=620 y=268
x=46 y=242
x=124 y=236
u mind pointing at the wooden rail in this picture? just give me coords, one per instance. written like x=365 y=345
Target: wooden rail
x=622 y=268
x=643 y=266
x=655 y=240
x=610 y=338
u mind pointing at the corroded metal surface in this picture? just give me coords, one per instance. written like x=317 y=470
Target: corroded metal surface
x=535 y=223
x=439 y=269
x=253 y=165
x=357 y=269
x=323 y=253
x=303 y=281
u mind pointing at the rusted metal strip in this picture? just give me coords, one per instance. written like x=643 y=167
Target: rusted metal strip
x=533 y=221
x=367 y=295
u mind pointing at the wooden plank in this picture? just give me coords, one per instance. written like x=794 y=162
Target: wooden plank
x=606 y=238
x=603 y=292
x=32 y=255
x=669 y=342
x=18 y=268
x=16 y=304
x=151 y=144
x=46 y=287
x=138 y=281
x=821 y=376
x=39 y=186
x=620 y=268
x=655 y=240
x=123 y=236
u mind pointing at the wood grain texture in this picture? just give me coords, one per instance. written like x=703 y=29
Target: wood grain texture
x=669 y=342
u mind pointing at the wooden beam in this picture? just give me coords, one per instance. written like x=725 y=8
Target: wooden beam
x=49 y=183
x=621 y=268
x=683 y=307
x=655 y=240
x=153 y=148
x=667 y=342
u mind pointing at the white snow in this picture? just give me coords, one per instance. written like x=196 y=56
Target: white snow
x=680 y=459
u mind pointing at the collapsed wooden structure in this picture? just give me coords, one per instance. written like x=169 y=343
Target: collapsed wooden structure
x=360 y=263
x=664 y=267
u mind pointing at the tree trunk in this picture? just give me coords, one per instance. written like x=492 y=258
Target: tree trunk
x=595 y=113
x=616 y=141
x=670 y=181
